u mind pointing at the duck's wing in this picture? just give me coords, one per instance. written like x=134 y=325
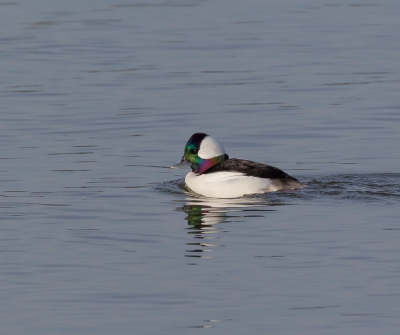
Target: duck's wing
x=249 y=168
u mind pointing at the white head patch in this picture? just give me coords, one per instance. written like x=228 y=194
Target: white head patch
x=210 y=147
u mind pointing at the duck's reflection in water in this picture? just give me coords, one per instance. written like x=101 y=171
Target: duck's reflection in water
x=204 y=215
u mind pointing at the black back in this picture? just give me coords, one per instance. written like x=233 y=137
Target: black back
x=249 y=168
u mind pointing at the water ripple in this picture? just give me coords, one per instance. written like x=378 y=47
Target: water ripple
x=373 y=187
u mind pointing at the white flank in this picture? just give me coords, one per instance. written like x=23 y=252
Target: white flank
x=227 y=184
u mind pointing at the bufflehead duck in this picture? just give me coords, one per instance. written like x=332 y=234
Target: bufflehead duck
x=215 y=175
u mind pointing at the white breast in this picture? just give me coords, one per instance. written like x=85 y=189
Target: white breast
x=227 y=184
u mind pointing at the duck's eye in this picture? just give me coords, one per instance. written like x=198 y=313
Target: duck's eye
x=195 y=151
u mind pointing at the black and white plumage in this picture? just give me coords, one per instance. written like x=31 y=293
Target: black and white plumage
x=216 y=175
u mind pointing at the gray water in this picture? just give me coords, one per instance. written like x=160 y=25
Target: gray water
x=98 y=98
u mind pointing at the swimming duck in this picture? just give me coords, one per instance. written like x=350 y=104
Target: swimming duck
x=215 y=175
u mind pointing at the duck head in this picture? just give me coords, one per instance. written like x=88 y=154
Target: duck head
x=202 y=152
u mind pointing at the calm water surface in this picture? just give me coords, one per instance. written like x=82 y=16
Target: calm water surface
x=98 y=98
